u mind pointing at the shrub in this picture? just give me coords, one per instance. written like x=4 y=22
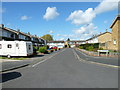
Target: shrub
x=81 y=47
x=43 y=49
x=90 y=48
x=37 y=48
x=100 y=48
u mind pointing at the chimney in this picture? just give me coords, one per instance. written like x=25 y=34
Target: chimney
x=18 y=30
x=2 y=25
x=28 y=33
x=106 y=30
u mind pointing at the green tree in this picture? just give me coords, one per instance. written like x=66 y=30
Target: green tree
x=47 y=37
x=68 y=39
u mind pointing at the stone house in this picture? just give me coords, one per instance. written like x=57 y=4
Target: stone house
x=104 y=39
x=111 y=41
x=115 y=43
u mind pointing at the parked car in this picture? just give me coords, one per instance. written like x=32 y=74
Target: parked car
x=55 y=48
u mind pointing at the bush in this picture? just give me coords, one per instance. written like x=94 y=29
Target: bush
x=43 y=49
x=100 y=48
x=37 y=48
x=81 y=47
x=90 y=48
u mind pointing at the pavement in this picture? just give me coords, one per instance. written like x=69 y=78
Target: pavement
x=62 y=69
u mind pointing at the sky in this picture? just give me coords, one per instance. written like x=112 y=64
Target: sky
x=63 y=20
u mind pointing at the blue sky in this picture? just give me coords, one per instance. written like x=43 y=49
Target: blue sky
x=77 y=21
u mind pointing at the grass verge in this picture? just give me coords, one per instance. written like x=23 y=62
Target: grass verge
x=13 y=58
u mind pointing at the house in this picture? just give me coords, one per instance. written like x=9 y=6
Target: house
x=93 y=39
x=59 y=44
x=74 y=43
x=42 y=42
x=7 y=34
x=111 y=41
x=115 y=26
x=104 y=39
x=23 y=36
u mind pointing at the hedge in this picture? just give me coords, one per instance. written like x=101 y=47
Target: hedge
x=89 y=47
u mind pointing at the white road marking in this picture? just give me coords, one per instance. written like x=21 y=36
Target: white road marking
x=92 y=62
x=83 y=53
x=47 y=58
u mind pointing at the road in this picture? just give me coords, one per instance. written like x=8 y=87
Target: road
x=104 y=60
x=8 y=64
x=62 y=70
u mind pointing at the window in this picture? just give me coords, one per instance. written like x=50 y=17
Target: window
x=114 y=42
x=9 y=46
x=29 y=47
x=102 y=44
x=0 y=46
x=12 y=35
x=17 y=45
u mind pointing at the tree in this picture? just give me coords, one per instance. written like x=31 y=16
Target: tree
x=47 y=37
x=68 y=39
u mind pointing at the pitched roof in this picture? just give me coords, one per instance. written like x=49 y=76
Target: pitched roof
x=55 y=42
x=11 y=30
x=117 y=18
x=77 y=41
x=98 y=35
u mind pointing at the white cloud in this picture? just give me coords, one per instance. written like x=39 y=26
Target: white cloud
x=51 y=13
x=106 y=5
x=51 y=32
x=85 y=31
x=25 y=17
x=79 y=17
